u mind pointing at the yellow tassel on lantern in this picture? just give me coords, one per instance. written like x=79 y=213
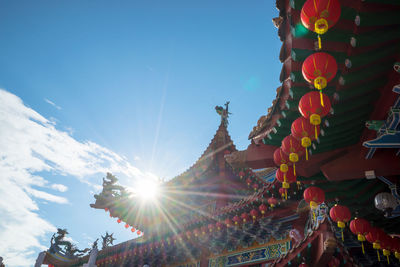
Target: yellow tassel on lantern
x=361 y=238
x=387 y=254
x=321 y=26
x=315 y=120
x=319 y=42
x=286 y=186
x=397 y=255
x=379 y=257
x=322 y=98
x=293 y=157
x=341 y=225
x=306 y=142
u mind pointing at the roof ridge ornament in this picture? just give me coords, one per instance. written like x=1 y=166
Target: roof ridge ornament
x=224 y=113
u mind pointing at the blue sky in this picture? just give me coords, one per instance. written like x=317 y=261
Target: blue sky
x=138 y=78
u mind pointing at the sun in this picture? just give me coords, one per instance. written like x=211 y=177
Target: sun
x=147 y=189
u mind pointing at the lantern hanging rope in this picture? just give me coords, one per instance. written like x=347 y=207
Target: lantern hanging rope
x=320 y=15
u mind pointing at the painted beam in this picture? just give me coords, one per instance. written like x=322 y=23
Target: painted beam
x=353 y=165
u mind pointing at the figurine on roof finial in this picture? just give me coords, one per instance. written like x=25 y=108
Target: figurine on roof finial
x=224 y=113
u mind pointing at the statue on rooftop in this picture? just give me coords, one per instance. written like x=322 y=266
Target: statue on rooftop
x=110 y=192
x=58 y=244
x=110 y=187
x=108 y=240
x=224 y=113
x=94 y=245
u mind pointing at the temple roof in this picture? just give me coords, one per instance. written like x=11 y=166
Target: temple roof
x=209 y=186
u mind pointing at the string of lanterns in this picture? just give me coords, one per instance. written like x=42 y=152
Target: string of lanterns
x=318 y=69
x=340 y=214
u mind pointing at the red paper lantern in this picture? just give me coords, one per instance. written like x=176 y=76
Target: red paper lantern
x=126 y=225
x=310 y=108
x=254 y=214
x=361 y=228
x=188 y=234
x=396 y=248
x=203 y=230
x=119 y=221
x=386 y=245
x=210 y=227
x=241 y=174
x=138 y=232
x=320 y=15
x=334 y=262
x=255 y=186
x=245 y=217
x=228 y=222
x=236 y=220
x=272 y=202
x=303 y=130
x=290 y=177
x=196 y=232
x=341 y=215
x=262 y=208
x=314 y=196
x=218 y=225
x=319 y=69
x=282 y=160
x=292 y=147
x=286 y=179
x=375 y=236
x=248 y=181
x=280 y=157
x=133 y=229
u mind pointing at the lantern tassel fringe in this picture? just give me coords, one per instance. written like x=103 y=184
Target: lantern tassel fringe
x=294 y=169
x=319 y=42
x=306 y=154
x=316 y=132
x=362 y=247
x=322 y=98
x=379 y=257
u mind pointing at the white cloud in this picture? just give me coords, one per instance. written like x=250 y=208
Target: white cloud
x=59 y=187
x=52 y=103
x=29 y=144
